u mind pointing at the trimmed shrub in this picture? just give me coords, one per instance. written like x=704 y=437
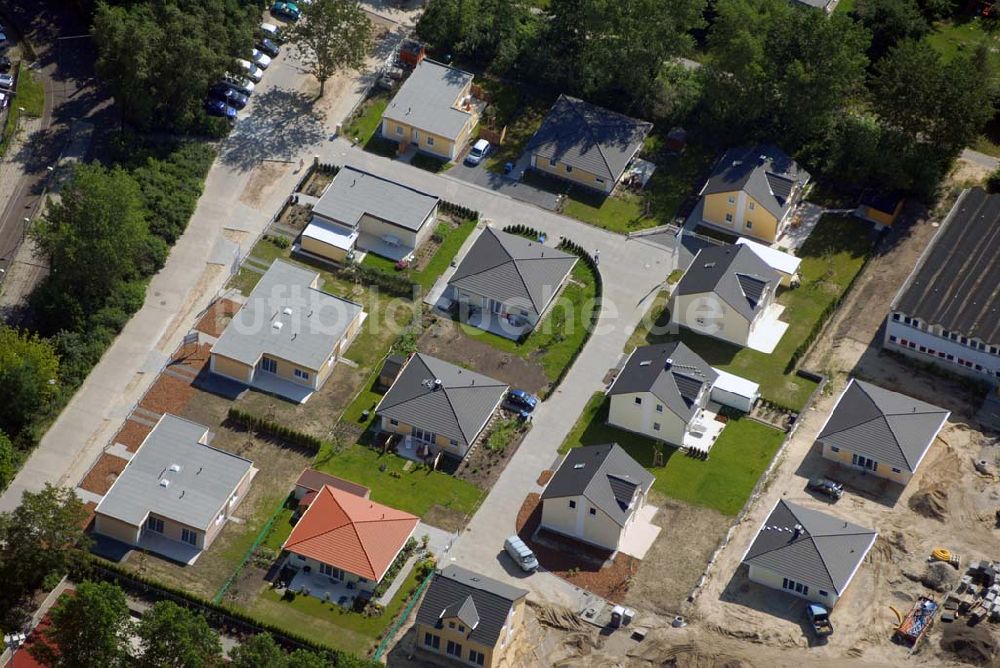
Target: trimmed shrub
x=458 y=210
x=523 y=231
x=279 y=431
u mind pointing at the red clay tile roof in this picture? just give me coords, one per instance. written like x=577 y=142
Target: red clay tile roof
x=313 y=480
x=352 y=533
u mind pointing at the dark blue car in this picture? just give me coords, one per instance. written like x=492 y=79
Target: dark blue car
x=268 y=47
x=216 y=107
x=229 y=95
x=522 y=402
x=286 y=10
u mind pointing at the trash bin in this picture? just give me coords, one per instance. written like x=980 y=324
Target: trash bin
x=508 y=167
x=617 y=613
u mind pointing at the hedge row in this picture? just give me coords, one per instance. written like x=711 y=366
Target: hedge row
x=215 y=614
x=576 y=249
x=271 y=428
x=820 y=323
x=394 y=284
x=523 y=231
x=459 y=211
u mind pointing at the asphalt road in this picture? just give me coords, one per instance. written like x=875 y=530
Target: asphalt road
x=65 y=57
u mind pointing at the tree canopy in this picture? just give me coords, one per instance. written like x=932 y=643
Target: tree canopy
x=258 y=650
x=29 y=371
x=174 y=637
x=89 y=628
x=333 y=35
x=8 y=461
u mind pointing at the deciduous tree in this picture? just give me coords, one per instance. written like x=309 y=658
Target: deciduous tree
x=89 y=628
x=333 y=36
x=174 y=637
x=29 y=371
x=258 y=650
x=8 y=461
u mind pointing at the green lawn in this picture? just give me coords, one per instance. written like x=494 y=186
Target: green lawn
x=723 y=481
x=280 y=530
x=520 y=128
x=832 y=255
x=329 y=623
x=428 y=163
x=674 y=180
x=368 y=119
x=268 y=251
x=845 y=6
x=414 y=491
x=30 y=96
x=453 y=238
x=951 y=38
x=561 y=333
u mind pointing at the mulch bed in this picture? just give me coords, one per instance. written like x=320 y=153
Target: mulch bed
x=217 y=317
x=578 y=563
x=190 y=359
x=544 y=477
x=168 y=395
x=90 y=506
x=103 y=474
x=131 y=435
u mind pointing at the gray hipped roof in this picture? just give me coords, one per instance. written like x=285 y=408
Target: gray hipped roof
x=956 y=283
x=735 y=273
x=205 y=480
x=672 y=372
x=604 y=474
x=513 y=270
x=354 y=193
x=764 y=172
x=459 y=408
x=426 y=99
x=588 y=137
x=481 y=603
x=810 y=547
x=891 y=428
x=286 y=317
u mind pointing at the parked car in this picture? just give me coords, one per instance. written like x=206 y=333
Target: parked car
x=225 y=92
x=522 y=402
x=7 y=81
x=5 y=63
x=830 y=488
x=819 y=619
x=269 y=47
x=240 y=84
x=271 y=31
x=520 y=553
x=4 y=100
x=286 y=10
x=477 y=152
x=217 y=107
x=250 y=70
x=260 y=59
x=4 y=42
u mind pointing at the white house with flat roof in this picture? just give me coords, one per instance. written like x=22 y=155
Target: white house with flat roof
x=362 y=211
x=176 y=493
x=288 y=335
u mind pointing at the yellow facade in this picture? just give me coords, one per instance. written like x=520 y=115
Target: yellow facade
x=225 y=366
x=642 y=418
x=443 y=443
x=324 y=250
x=706 y=314
x=574 y=174
x=427 y=142
x=577 y=522
x=844 y=458
x=878 y=217
x=740 y=209
x=493 y=657
x=115 y=528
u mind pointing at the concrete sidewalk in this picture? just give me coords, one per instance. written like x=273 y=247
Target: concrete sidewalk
x=239 y=198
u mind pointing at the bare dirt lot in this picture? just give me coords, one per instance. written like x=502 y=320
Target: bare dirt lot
x=444 y=339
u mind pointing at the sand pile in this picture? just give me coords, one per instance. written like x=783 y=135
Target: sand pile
x=931 y=502
x=970 y=644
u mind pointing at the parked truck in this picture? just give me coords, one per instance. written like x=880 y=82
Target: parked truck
x=819 y=618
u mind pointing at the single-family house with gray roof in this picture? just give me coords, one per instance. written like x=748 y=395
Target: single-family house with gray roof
x=807 y=553
x=433 y=110
x=359 y=210
x=506 y=283
x=469 y=617
x=595 y=495
x=752 y=192
x=586 y=144
x=728 y=293
x=437 y=406
x=884 y=433
x=288 y=335
x=175 y=493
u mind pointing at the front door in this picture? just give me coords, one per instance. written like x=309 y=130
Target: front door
x=269 y=365
x=416 y=136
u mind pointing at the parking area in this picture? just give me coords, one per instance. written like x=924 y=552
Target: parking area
x=481 y=175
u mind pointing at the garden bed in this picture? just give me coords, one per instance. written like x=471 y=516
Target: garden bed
x=317 y=182
x=488 y=459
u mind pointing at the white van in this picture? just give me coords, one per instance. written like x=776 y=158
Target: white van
x=520 y=553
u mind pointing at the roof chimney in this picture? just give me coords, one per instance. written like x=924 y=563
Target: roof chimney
x=437 y=383
x=798 y=531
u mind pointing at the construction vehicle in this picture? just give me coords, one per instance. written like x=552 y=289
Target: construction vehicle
x=819 y=619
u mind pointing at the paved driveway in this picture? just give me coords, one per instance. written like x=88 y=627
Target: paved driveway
x=483 y=177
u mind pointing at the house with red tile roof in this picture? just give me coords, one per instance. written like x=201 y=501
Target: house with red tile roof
x=347 y=539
